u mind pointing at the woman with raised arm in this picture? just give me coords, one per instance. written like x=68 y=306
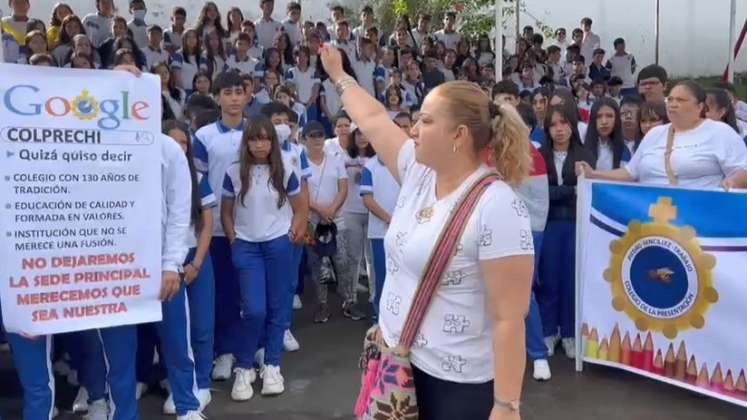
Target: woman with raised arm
x=468 y=358
x=691 y=151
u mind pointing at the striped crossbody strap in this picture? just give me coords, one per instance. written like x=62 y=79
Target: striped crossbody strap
x=439 y=260
x=668 y=157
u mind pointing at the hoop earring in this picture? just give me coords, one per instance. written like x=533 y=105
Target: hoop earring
x=454 y=148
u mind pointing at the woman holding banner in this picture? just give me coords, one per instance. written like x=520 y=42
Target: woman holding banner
x=471 y=341
x=691 y=151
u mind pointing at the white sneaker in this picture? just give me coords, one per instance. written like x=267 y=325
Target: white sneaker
x=80 y=404
x=289 y=342
x=569 y=345
x=297 y=304
x=55 y=412
x=551 y=342
x=62 y=368
x=192 y=415
x=272 y=380
x=259 y=358
x=542 y=370
x=140 y=389
x=242 y=384
x=361 y=288
x=168 y=406
x=222 y=367
x=97 y=410
x=204 y=397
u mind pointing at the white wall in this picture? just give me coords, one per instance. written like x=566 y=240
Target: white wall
x=694 y=33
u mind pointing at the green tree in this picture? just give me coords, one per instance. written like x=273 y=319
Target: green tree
x=477 y=17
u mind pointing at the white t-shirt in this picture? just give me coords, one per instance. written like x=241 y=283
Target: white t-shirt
x=331 y=98
x=293 y=30
x=455 y=342
x=701 y=157
x=186 y=70
x=323 y=184
x=377 y=181
x=606 y=158
x=256 y=216
x=246 y=66
x=98 y=28
x=304 y=81
x=450 y=40
x=139 y=32
x=354 y=168
x=215 y=148
x=154 y=57
x=266 y=31
x=623 y=66
x=364 y=73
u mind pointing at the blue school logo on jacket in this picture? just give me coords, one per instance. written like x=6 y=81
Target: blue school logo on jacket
x=659 y=275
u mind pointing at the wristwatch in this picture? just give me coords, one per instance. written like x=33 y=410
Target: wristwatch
x=512 y=406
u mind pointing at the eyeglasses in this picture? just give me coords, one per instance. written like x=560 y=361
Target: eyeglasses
x=315 y=135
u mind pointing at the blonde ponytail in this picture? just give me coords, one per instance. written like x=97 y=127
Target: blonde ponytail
x=500 y=129
x=509 y=145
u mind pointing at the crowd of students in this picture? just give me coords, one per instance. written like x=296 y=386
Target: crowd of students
x=306 y=185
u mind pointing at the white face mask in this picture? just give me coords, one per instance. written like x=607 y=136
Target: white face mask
x=283 y=131
x=140 y=14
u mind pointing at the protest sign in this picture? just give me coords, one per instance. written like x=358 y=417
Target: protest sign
x=80 y=232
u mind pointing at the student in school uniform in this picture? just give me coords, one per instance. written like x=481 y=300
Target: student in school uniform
x=365 y=65
x=240 y=60
x=281 y=118
x=174 y=330
x=307 y=82
x=622 y=64
x=262 y=216
x=328 y=186
x=172 y=37
x=448 y=35
x=216 y=147
x=604 y=138
x=188 y=61
x=292 y=23
x=198 y=266
x=98 y=25
x=379 y=190
x=137 y=24
x=154 y=54
x=266 y=26
x=561 y=151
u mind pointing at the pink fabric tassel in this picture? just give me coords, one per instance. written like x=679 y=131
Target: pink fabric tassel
x=367 y=386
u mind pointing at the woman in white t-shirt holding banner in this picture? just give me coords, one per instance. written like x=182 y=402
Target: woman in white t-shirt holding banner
x=690 y=152
x=468 y=357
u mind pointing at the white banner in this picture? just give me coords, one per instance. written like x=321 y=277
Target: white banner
x=80 y=232
x=661 y=285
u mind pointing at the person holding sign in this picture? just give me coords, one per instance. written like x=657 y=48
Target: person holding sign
x=263 y=217
x=691 y=151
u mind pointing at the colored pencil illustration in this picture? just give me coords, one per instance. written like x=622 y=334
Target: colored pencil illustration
x=669 y=361
x=648 y=354
x=625 y=351
x=691 y=374
x=615 y=353
x=680 y=364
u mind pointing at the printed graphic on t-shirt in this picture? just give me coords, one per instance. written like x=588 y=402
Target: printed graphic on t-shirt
x=453 y=364
x=393 y=303
x=455 y=324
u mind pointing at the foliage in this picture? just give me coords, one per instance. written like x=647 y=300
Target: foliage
x=477 y=16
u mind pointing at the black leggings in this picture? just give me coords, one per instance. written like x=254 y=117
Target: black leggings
x=444 y=400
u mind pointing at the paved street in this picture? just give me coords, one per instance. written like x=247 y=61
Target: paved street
x=322 y=382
